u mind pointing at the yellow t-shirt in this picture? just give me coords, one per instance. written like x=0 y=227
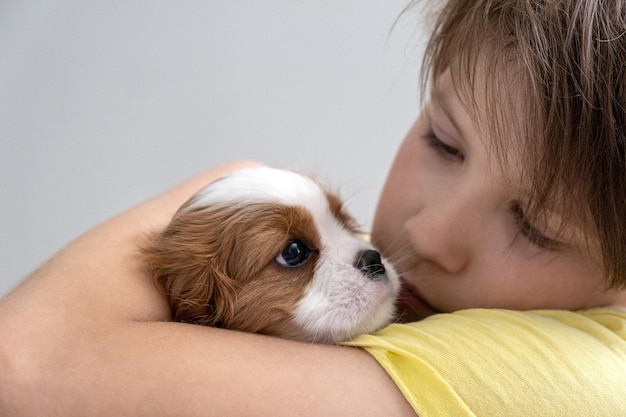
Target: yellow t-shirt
x=497 y=363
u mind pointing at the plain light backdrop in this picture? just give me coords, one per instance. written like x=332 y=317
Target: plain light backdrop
x=106 y=103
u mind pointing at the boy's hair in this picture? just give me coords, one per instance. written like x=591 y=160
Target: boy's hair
x=567 y=60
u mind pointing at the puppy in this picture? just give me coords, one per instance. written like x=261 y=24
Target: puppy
x=270 y=251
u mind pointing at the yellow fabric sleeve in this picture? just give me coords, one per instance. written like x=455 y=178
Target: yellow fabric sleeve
x=506 y=363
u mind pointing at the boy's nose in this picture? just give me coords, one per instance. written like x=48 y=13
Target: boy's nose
x=443 y=234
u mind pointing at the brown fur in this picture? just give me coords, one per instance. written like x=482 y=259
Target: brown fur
x=336 y=207
x=217 y=267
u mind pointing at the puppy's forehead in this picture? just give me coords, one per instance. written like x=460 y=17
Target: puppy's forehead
x=261 y=185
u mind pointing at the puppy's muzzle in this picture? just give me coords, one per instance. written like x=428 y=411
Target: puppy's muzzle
x=369 y=262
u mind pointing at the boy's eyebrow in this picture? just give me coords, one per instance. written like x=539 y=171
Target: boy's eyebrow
x=442 y=102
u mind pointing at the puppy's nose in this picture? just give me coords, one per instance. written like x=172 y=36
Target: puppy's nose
x=369 y=262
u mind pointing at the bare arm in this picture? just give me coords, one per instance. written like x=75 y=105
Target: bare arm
x=87 y=334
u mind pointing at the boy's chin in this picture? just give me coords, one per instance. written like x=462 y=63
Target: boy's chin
x=412 y=308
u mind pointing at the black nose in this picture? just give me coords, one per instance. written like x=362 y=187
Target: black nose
x=369 y=262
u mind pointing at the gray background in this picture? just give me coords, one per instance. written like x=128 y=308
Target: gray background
x=104 y=104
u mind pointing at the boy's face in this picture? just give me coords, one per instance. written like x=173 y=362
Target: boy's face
x=448 y=218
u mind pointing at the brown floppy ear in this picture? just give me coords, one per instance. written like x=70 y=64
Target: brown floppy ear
x=185 y=262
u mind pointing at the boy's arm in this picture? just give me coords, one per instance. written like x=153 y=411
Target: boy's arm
x=87 y=334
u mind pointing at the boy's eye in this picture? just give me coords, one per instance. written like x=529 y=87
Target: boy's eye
x=442 y=148
x=535 y=237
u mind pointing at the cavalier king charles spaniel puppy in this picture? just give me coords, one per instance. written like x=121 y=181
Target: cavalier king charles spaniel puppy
x=271 y=251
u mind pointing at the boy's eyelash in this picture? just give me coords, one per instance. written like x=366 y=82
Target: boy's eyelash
x=530 y=232
x=442 y=148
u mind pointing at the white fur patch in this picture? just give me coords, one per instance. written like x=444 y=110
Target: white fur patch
x=261 y=185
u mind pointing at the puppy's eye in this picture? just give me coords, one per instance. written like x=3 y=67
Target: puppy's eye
x=295 y=254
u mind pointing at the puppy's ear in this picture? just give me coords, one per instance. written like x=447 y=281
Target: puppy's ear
x=186 y=263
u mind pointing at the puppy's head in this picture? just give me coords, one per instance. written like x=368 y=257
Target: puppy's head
x=269 y=251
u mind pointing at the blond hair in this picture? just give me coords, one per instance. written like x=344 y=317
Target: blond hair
x=568 y=58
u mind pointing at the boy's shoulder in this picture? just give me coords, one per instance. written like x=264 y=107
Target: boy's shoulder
x=542 y=362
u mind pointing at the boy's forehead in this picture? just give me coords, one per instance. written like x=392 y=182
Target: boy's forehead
x=481 y=85
x=490 y=115
x=443 y=88
x=494 y=100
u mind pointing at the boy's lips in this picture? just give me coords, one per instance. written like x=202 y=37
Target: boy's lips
x=414 y=306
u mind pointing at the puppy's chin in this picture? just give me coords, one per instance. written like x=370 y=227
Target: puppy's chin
x=342 y=302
